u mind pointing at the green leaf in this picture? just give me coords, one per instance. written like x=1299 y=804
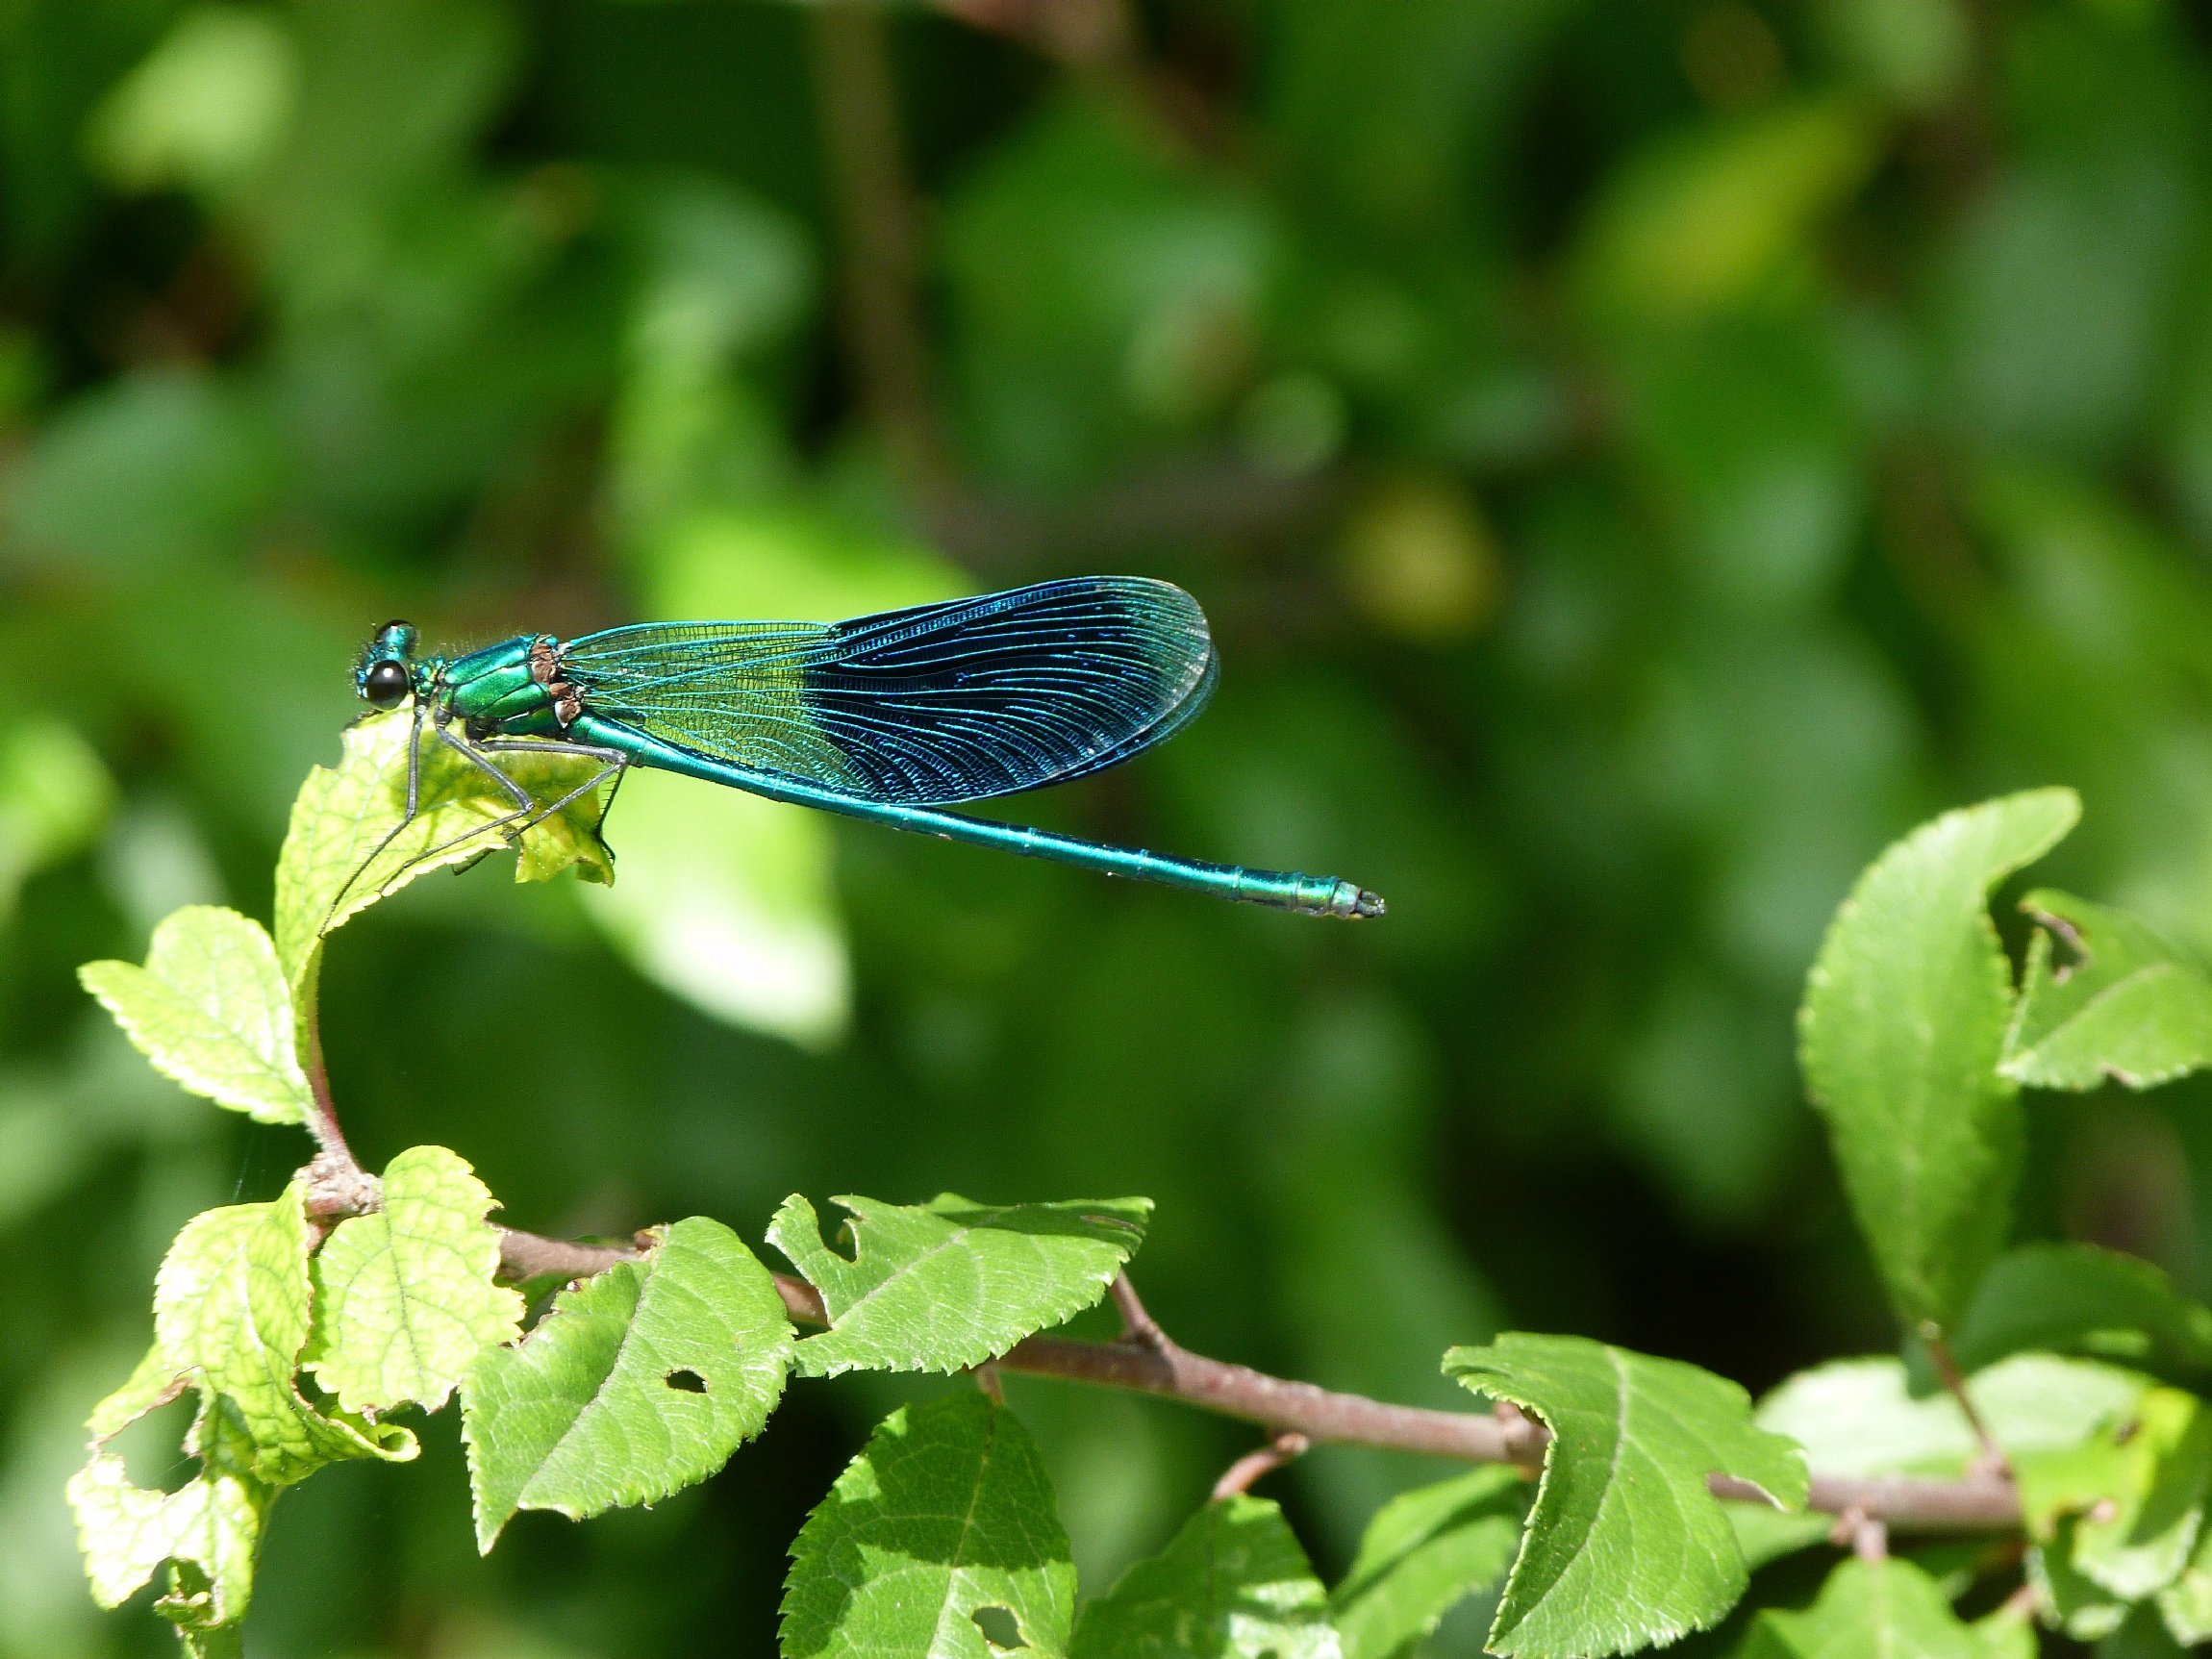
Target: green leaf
x=1626 y=1546
x=157 y=1380
x=1889 y=1608
x=947 y=1513
x=2138 y=1488
x=214 y=1521
x=1232 y=1584
x=2128 y=1005
x=406 y=1295
x=2075 y=1603
x=1860 y=1417
x=2186 y=1603
x=1424 y=1552
x=231 y=1306
x=1903 y=1024
x=55 y=794
x=1765 y=1534
x=2081 y=1299
x=636 y=1383
x=342 y=814
x=950 y=1284
x=1693 y=225
x=211 y=1009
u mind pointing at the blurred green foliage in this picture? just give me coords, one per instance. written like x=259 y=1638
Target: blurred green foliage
x=1640 y=456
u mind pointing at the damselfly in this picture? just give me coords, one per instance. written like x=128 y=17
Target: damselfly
x=887 y=717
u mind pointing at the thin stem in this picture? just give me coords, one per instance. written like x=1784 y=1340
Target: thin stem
x=1240 y=1475
x=323 y=1125
x=1993 y=1460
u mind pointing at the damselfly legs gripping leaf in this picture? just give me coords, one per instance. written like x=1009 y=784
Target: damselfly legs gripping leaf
x=888 y=718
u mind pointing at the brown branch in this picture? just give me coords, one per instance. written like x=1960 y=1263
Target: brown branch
x=1993 y=1460
x=527 y=1256
x=1240 y=1475
x=323 y=1125
x=1146 y=1360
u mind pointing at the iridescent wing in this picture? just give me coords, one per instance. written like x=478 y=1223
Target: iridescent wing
x=950 y=702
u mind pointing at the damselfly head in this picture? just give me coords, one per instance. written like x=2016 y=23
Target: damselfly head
x=386 y=671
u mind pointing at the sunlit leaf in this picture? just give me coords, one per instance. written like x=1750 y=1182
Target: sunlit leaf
x=1232 y=1584
x=1901 y=1031
x=2137 y=1490
x=1887 y=1607
x=950 y=1284
x=211 y=1010
x=126 y=1532
x=943 y=1524
x=231 y=1305
x=1861 y=1417
x=406 y=1300
x=336 y=861
x=1626 y=1546
x=2120 y=1003
x=1423 y=1552
x=638 y=1383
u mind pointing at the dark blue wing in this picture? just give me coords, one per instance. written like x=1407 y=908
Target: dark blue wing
x=940 y=703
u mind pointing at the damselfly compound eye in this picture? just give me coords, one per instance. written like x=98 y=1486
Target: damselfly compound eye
x=386 y=685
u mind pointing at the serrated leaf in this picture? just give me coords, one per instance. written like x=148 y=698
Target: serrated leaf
x=2077 y=1299
x=231 y=1304
x=1890 y=1608
x=405 y=1294
x=155 y=1381
x=1423 y=1552
x=1860 y=1417
x=2128 y=1006
x=2138 y=1489
x=1626 y=1546
x=213 y=1521
x=342 y=812
x=637 y=1384
x=946 y=1513
x=1232 y=1584
x=951 y=1283
x=211 y=1009
x=1900 y=1034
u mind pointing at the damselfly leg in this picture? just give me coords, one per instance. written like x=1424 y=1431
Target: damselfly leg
x=528 y=812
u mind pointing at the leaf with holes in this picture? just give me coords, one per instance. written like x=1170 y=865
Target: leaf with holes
x=2138 y=1489
x=637 y=1384
x=938 y=1536
x=1232 y=1584
x=950 y=1284
x=1887 y=1607
x=2128 y=1006
x=1626 y=1546
x=1423 y=1552
x=1903 y=1026
x=214 y=1521
x=405 y=1294
x=346 y=847
x=230 y=1304
x=211 y=1009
